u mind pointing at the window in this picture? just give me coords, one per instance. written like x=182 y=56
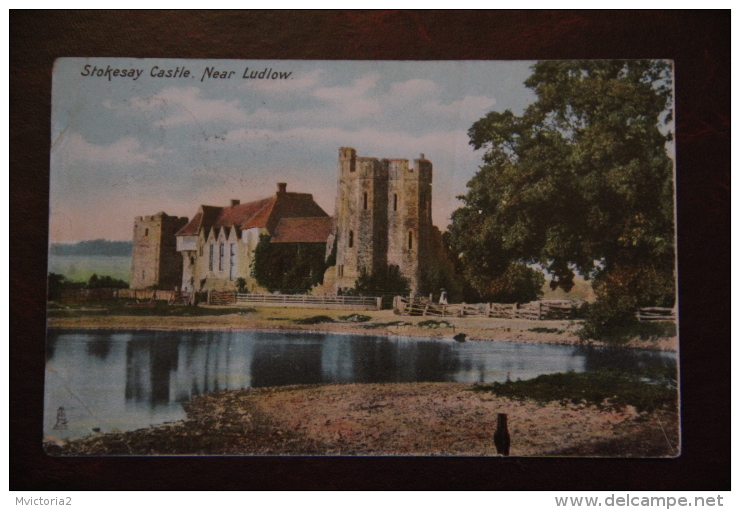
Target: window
x=351 y=239
x=146 y=232
x=340 y=270
x=232 y=261
x=395 y=202
x=192 y=261
x=210 y=257
x=364 y=200
x=221 y=257
x=411 y=240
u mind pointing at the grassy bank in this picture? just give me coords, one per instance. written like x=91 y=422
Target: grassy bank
x=131 y=308
x=379 y=322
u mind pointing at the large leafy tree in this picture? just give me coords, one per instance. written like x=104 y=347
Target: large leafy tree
x=581 y=180
x=288 y=267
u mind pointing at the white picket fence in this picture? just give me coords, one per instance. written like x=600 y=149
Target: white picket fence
x=309 y=301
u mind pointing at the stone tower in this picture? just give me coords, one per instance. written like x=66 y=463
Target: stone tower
x=361 y=217
x=383 y=217
x=155 y=261
x=409 y=218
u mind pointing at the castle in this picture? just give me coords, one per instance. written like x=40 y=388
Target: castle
x=382 y=222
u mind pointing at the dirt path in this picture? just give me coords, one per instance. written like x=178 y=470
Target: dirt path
x=382 y=323
x=387 y=419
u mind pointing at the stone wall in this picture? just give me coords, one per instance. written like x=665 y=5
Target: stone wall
x=155 y=261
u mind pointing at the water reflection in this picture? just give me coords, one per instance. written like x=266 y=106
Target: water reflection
x=99 y=345
x=287 y=362
x=133 y=379
x=149 y=365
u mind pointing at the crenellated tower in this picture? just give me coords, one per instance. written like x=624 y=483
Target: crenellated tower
x=361 y=217
x=409 y=217
x=155 y=262
x=383 y=217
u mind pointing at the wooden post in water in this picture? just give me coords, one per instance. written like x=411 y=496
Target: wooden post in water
x=501 y=437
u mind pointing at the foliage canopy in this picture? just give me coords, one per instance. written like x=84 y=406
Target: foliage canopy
x=381 y=282
x=581 y=180
x=288 y=267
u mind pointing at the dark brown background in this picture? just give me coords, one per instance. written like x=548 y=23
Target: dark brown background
x=699 y=42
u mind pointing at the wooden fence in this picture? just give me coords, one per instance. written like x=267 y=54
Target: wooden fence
x=655 y=313
x=148 y=294
x=536 y=310
x=89 y=294
x=308 y=301
x=549 y=309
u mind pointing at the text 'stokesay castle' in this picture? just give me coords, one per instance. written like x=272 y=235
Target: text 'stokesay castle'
x=382 y=222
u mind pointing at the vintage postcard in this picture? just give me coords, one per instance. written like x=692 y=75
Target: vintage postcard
x=452 y=258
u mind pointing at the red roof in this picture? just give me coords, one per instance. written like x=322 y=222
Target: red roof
x=260 y=213
x=303 y=230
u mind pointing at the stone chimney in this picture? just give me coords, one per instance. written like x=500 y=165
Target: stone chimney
x=282 y=187
x=421 y=156
x=235 y=201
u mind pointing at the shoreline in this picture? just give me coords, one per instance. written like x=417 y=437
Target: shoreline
x=381 y=323
x=407 y=419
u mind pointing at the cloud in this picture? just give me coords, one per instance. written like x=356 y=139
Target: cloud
x=469 y=107
x=125 y=151
x=306 y=81
x=411 y=90
x=178 y=106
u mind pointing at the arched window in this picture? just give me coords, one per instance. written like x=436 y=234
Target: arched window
x=364 y=200
x=395 y=202
x=351 y=239
x=411 y=240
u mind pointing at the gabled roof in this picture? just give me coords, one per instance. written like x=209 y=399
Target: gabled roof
x=260 y=213
x=303 y=230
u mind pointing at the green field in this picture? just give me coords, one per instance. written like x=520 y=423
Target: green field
x=79 y=268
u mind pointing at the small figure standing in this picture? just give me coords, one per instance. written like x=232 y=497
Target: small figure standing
x=501 y=437
x=443 y=297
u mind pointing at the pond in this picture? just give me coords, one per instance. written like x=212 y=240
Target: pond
x=125 y=380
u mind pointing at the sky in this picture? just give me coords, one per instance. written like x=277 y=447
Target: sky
x=126 y=146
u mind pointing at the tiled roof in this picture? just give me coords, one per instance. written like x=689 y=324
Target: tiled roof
x=303 y=230
x=260 y=213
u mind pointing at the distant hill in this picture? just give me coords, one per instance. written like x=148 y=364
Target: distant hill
x=98 y=247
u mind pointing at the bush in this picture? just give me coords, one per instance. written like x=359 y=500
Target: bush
x=316 y=319
x=601 y=388
x=355 y=317
x=620 y=293
x=105 y=282
x=388 y=281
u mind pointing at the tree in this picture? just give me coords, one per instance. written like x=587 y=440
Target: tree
x=105 y=282
x=580 y=181
x=288 y=267
x=381 y=282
